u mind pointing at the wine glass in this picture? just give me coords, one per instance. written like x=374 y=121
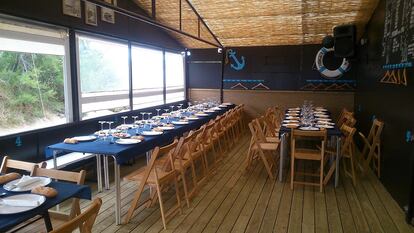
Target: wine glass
x=172 y=108
x=158 y=111
x=142 y=115
x=135 y=119
x=102 y=129
x=149 y=115
x=124 y=118
x=180 y=106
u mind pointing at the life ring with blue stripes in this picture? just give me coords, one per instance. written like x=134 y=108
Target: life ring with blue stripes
x=325 y=71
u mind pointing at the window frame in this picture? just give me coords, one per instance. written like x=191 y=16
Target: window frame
x=153 y=47
x=109 y=39
x=184 y=74
x=67 y=75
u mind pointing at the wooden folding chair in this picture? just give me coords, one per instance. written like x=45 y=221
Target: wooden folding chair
x=74 y=177
x=209 y=147
x=349 y=120
x=83 y=221
x=157 y=175
x=372 y=146
x=304 y=153
x=343 y=117
x=19 y=165
x=260 y=148
x=347 y=152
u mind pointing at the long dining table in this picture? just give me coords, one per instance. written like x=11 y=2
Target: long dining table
x=65 y=191
x=121 y=154
x=334 y=133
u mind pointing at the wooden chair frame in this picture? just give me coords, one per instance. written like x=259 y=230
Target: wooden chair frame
x=83 y=221
x=19 y=165
x=371 y=151
x=74 y=177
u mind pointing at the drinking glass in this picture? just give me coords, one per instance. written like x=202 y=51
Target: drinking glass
x=124 y=118
x=172 y=108
x=149 y=115
x=158 y=111
x=135 y=119
x=142 y=115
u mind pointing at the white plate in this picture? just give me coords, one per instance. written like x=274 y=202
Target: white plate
x=127 y=141
x=291 y=125
x=309 y=128
x=292 y=114
x=226 y=103
x=323 y=119
x=325 y=122
x=8 y=209
x=209 y=111
x=166 y=127
x=322 y=116
x=180 y=122
x=192 y=118
x=290 y=121
x=321 y=109
x=201 y=114
x=294 y=109
x=222 y=106
x=292 y=117
x=325 y=126
x=40 y=182
x=85 y=138
x=127 y=135
x=216 y=109
x=151 y=133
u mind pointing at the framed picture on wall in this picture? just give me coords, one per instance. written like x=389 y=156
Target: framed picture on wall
x=107 y=15
x=91 y=16
x=72 y=8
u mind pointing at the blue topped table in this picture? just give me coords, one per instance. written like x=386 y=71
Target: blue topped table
x=65 y=192
x=334 y=132
x=124 y=153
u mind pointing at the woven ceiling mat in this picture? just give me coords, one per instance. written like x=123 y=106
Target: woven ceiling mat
x=262 y=22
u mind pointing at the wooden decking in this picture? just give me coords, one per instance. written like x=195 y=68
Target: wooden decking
x=237 y=201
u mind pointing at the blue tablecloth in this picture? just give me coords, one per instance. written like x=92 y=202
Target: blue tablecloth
x=330 y=132
x=65 y=192
x=124 y=153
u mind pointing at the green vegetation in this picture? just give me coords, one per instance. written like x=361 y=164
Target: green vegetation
x=31 y=88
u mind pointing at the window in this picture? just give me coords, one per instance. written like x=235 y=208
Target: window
x=147 y=77
x=174 y=77
x=34 y=86
x=104 y=77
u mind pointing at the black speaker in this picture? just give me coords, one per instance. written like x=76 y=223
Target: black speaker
x=344 y=40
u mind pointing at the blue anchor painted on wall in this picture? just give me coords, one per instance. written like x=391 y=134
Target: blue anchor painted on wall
x=237 y=65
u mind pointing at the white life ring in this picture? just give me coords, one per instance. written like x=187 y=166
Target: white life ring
x=330 y=73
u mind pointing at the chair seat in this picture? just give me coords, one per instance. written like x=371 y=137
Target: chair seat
x=308 y=154
x=272 y=139
x=269 y=146
x=139 y=175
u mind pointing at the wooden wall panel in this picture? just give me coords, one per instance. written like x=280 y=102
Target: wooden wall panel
x=257 y=101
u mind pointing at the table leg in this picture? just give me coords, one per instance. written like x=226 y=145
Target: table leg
x=282 y=156
x=46 y=218
x=338 y=158
x=54 y=159
x=106 y=172
x=99 y=172
x=117 y=192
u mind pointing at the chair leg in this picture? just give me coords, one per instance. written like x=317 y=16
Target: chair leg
x=379 y=162
x=353 y=170
x=292 y=171
x=134 y=202
x=161 y=207
x=182 y=172
x=177 y=194
x=321 y=177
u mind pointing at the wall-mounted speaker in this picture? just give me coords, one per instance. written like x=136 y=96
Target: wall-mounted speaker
x=344 y=40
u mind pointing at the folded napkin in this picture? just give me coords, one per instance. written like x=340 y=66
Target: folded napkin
x=20 y=202
x=26 y=180
x=70 y=141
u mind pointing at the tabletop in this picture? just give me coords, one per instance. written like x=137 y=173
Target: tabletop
x=65 y=191
x=124 y=153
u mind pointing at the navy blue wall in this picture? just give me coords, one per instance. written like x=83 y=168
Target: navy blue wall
x=390 y=103
x=281 y=67
x=33 y=143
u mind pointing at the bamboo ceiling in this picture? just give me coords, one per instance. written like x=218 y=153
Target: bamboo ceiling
x=261 y=22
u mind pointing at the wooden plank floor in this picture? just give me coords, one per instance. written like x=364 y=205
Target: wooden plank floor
x=237 y=201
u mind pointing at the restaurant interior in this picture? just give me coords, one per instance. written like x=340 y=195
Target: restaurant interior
x=206 y=116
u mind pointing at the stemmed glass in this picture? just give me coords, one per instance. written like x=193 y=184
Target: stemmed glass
x=135 y=119
x=180 y=106
x=124 y=118
x=101 y=133
x=149 y=115
x=158 y=111
x=110 y=130
x=142 y=115
x=172 y=108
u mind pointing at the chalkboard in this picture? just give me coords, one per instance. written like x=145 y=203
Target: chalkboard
x=398 y=41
